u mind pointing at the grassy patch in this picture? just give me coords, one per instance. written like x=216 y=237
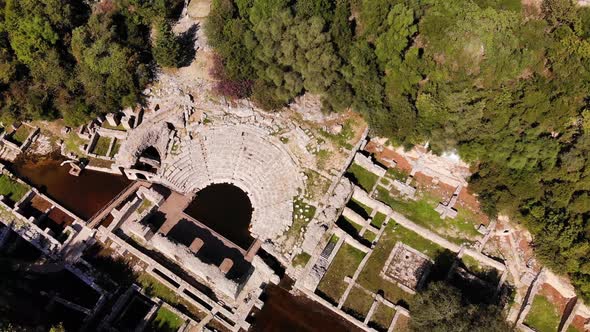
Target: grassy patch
x=572 y=328
x=422 y=212
x=12 y=189
x=484 y=272
x=358 y=303
x=115 y=148
x=322 y=158
x=301 y=259
x=364 y=178
x=166 y=321
x=20 y=134
x=153 y=287
x=344 y=264
x=145 y=204
x=334 y=239
x=316 y=185
x=471 y=263
x=382 y=317
x=120 y=127
x=74 y=143
x=367 y=209
x=397 y=174
x=543 y=316
x=370 y=278
x=101 y=147
x=378 y=220
x=348 y=226
x=300 y=218
x=369 y=236
x=343 y=138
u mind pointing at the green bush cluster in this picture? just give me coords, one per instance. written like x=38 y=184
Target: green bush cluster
x=506 y=86
x=62 y=58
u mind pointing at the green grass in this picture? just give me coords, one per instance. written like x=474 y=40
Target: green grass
x=484 y=272
x=301 y=259
x=344 y=264
x=364 y=178
x=322 y=158
x=74 y=143
x=153 y=287
x=120 y=127
x=369 y=236
x=471 y=263
x=21 y=133
x=353 y=224
x=316 y=185
x=145 y=204
x=458 y=230
x=334 y=239
x=101 y=147
x=543 y=316
x=367 y=209
x=378 y=220
x=397 y=174
x=299 y=218
x=382 y=317
x=370 y=278
x=115 y=148
x=358 y=303
x=166 y=321
x=343 y=138
x=572 y=328
x=12 y=189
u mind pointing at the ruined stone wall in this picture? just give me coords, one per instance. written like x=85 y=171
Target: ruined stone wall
x=189 y=261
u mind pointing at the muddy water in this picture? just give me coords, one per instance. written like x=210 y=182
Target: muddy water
x=285 y=312
x=226 y=209
x=83 y=195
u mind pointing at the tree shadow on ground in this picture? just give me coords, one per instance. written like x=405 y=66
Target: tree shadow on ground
x=476 y=287
x=187 y=39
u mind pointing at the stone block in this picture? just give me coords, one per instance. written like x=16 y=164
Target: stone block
x=226 y=265
x=112 y=119
x=196 y=245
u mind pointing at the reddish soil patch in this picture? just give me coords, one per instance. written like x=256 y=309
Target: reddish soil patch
x=402 y=324
x=524 y=246
x=60 y=217
x=468 y=200
x=579 y=322
x=40 y=204
x=554 y=296
x=384 y=155
x=441 y=190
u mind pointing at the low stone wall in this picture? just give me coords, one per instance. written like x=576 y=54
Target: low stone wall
x=181 y=286
x=115 y=171
x=27 y=229
x=366 y=163
x=183 y=256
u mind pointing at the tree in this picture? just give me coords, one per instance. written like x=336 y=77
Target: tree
x=442 y=308
x=167 y=49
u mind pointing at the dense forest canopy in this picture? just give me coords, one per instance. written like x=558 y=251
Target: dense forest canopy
x=505 y=84
x=63 y=58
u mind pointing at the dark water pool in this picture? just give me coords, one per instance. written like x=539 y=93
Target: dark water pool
x=285 y=312
x=226 y=209
x=83 y=195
